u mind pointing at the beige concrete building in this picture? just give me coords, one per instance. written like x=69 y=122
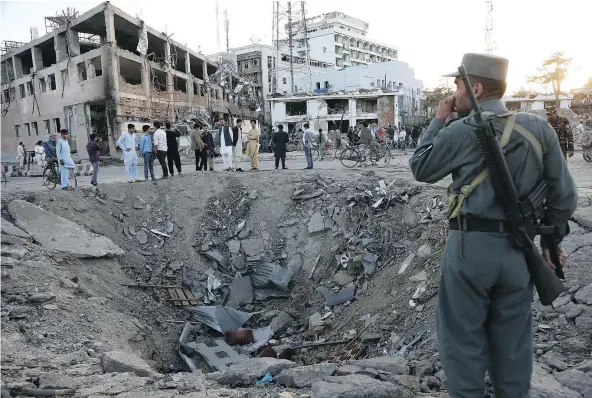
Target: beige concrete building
x=99 y=71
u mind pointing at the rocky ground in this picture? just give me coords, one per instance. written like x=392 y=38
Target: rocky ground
x=342 y=266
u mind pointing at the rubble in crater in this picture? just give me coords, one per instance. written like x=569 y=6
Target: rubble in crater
x=324 y=286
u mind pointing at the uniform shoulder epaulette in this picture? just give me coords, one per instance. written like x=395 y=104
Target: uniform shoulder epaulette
x=451 y=121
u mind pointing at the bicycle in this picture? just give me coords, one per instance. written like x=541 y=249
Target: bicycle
x=352 y=156
x=330 y=152
x=51 y=176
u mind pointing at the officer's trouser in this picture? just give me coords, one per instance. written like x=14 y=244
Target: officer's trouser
x=484 y=316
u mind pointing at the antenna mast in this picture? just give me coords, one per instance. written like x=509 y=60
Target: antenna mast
x=217 y=27
x=489 y=45
x=290 y=47
x=226 y=27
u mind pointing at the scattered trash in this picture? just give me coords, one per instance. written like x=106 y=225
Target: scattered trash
x=419 y=277
x=268 y=378
x=169 y=227
x=406 y=263
x=240 y=226
x=239 y=337
x=408 y=347
x=213 y=284
x=424 y=250
x=345 y=257
x=421 y=288
x=316 y=324
x=220 y=318
x=336 y=298
x=142 y=237
x=157 y=232
x=369 y=262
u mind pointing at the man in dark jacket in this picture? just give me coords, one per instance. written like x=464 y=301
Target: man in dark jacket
x=94 y=150
x=173 y=148
x=280 y=140
x=208 y=140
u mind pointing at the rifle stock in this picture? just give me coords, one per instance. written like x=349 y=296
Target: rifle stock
x=544 y=278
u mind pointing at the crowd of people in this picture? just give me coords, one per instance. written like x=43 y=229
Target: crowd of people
x=163 y=145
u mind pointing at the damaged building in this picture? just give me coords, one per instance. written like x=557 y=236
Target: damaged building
x=97 y=71
x=330 y=111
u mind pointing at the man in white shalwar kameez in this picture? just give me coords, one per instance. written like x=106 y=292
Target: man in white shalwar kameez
x=237 y=140
x=65 y=160
x=225 y=139
x=128 y=142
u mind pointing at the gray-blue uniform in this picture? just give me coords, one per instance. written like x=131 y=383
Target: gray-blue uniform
x=484 y=316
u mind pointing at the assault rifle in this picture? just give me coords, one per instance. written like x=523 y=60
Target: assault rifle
x=547 y=281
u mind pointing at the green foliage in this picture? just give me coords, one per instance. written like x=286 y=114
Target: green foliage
x=553 y=71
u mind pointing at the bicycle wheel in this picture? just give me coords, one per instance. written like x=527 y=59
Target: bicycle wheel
x=315 y=154
x=72 y=178
x=50 y=178
x=382 y=158
x=350 y=157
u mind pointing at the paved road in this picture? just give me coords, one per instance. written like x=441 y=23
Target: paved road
x=581 y=170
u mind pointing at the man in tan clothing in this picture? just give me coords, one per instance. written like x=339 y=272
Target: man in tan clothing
x=197 y=145
x=253 y=145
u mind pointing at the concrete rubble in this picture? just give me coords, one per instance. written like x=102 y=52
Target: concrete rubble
x=325 y=317
x=74 y=240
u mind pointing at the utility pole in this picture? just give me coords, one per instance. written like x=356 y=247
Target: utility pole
x=290 y=47
x=217 y=28
x=276 y=43
x=305 y=39
x=489 y=46
x=226 y=27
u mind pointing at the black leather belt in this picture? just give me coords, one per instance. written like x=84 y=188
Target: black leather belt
x=480 y=225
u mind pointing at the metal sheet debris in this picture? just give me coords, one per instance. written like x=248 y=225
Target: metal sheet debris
x=339 y=297
x=270 y=276
x=369 y=262
x=220 y=318
x=213 y=284
x=218 y=258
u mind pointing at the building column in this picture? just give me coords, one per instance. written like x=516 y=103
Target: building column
x=37 y=58
x=353 y=112
x=169 y=80
x=113 y=101
x=147 y=84
x=59 y=43
x=190 y=80
x=73 y=42
x=17 y=65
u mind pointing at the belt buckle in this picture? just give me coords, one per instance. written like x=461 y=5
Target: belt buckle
x=501 y=227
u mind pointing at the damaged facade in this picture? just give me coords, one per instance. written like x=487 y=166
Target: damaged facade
x=332 y=111
x=99 y=71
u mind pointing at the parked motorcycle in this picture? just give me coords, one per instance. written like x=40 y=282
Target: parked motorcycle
x=586 y=153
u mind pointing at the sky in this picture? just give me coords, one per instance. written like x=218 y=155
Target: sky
x=431 y=35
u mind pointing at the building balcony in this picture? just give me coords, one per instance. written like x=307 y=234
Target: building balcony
x=338 y=55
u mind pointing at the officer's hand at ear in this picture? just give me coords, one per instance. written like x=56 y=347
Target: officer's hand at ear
x=445 y=108
x=570 y=154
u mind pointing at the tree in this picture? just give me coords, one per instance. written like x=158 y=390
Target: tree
x=433 y=97
x=522 y=93
x=588 y=84
x=553 y=71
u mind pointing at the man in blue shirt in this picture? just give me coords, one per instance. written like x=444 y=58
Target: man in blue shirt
x=147 y=152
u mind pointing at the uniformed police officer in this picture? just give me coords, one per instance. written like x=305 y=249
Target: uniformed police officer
x=563 y=129
x=484 y=316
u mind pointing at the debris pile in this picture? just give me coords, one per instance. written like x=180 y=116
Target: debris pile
x=320 y=286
